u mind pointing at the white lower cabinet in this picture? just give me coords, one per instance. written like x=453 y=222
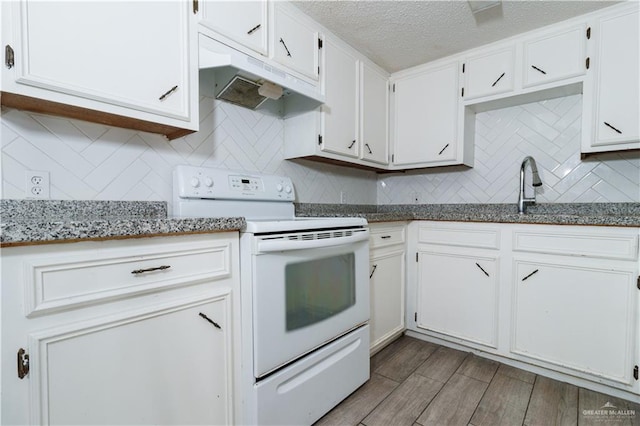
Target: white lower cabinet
x=558 y=300
x=457 y=295
x=386 y=281
x=576 y=313
x=154 y=345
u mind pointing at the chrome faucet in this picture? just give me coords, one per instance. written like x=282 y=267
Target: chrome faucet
x=522 y=200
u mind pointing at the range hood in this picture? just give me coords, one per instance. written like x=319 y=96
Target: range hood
x=233 y=76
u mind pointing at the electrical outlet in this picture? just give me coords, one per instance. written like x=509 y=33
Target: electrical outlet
x=37 y=184
x=343 y=197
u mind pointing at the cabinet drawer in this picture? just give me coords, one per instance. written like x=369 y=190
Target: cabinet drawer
x=109 y=271
x=607 y=244
x=458 y=235
x=386 y=237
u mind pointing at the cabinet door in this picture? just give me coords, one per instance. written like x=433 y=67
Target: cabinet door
x=618 y=81
x=340 y=111
x=457 y=296
x=576 y=314
x=386 y=296
x=131 y=54
x=375 y=115
x=426 y=116
x=242 y=21
x=489 y=74
x=295 y=44
x=555 y=57
x=166 y=367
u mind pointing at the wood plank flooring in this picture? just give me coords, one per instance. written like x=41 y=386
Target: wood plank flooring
x=416 y=383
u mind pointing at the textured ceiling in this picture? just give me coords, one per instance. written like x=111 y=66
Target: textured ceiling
x=398 y=34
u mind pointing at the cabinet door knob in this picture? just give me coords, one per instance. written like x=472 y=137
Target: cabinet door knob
x=215 y=324
x=482 y=269
x=538 y=69
x=373 y=271
x=499 y=78
x=368 y=148
x=254 y=29
x=285 y=47
x=610 y=126
x=157 y=268
x=168 y=92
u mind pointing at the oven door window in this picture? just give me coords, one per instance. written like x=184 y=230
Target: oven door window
x=319 y=289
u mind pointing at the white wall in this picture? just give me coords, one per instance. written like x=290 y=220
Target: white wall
x=89 y=161
x=550 y=131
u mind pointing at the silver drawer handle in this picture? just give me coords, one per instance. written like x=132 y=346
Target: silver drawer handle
x=384 y=237
x=157 y=268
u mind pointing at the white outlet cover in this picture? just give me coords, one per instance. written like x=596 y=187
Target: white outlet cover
x=36 y=184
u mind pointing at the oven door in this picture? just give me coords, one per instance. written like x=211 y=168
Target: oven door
x=308 y=289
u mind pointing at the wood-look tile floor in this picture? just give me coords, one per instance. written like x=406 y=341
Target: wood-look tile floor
x=420 y=383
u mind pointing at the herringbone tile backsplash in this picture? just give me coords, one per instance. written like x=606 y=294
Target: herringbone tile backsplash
x=91 y=161
x=550 y=132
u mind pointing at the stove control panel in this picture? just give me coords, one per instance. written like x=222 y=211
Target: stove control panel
x=222 y=184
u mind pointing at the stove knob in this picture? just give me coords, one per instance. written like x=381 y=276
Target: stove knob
x=195 y=182
x=287 y=189
x=279 y=187
x=208 y=182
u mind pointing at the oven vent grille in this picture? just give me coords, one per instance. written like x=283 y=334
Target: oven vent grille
x=316 y=235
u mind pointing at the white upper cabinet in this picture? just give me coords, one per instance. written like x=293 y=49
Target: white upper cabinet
x=244 y=22
x=295 y=43
x=374 y=115
x=350 y=128
x=555 y=56
x=340 y=111
x=132 y=59
x=615 y=87
x=489 y=74
x=425 y=117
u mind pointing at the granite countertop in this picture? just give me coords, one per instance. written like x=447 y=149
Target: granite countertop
x=596 y=214
x=26 y=222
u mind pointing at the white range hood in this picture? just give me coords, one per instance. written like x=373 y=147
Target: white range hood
x=222 y=66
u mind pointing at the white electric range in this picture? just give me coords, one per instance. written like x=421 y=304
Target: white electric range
x=304 y=294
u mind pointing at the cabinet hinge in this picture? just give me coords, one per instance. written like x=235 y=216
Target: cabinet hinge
x=463 y=68
x=589 y=33
x=319 y=43
x=319 y=139
x=415 y=316
x=9 y=58
x=587 y=62
x=23 y=363
x=635 y=372
x=195 y=6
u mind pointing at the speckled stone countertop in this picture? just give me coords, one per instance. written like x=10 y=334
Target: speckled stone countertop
x=602 y=214
x=25 y=222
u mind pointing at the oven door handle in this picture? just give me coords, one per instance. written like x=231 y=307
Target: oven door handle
x=287 y=245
